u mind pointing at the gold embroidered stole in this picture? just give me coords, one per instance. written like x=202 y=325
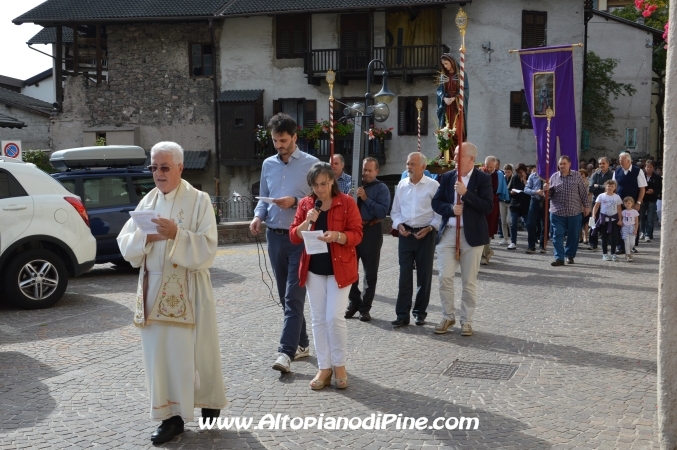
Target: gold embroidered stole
x=175 y=303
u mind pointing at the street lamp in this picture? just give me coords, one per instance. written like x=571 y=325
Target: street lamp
x=379 y=112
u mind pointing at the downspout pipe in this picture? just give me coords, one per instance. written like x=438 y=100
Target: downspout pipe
x=217 y=147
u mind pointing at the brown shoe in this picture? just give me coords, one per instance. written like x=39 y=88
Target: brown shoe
x=444 y=326
x=350 y=311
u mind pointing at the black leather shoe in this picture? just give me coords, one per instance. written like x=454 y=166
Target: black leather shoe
x=167 y=430
x=350 y=311
x=420 y=322
x=557 y=262
x=212 y=413
x=365 y=316
x=570 y=260
x=399 y=323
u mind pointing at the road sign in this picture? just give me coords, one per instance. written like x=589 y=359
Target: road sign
x=11 y=149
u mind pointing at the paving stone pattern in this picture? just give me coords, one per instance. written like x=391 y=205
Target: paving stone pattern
x=582 y=336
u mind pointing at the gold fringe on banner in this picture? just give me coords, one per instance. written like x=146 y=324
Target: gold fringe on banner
x=548 y=50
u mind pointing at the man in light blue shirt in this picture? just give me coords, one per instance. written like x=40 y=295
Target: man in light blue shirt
x=284 y=179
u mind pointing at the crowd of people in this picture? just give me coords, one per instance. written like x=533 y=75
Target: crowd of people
x=454 y=216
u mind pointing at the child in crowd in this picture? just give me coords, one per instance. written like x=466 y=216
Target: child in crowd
x=630 y=226
x=607 y=217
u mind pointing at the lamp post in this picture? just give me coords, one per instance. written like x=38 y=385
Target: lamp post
x=379 y=112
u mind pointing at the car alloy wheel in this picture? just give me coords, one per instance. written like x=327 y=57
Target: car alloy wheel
x=35 y=279
x=38 y=279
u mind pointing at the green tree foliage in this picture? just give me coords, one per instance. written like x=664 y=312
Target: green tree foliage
x=600 y=87
x=657 y=19
x=40 y=159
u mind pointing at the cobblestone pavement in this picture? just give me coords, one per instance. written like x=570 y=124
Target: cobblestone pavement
x=580 y=338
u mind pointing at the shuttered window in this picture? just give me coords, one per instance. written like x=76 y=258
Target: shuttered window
x=519 y=110
x=291 y=35
x=303 y=111
x=407 y=116
x=534 y=28
x=355 y=41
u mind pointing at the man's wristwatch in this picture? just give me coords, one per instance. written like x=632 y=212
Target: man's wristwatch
x=296 y=203
x=639 y=203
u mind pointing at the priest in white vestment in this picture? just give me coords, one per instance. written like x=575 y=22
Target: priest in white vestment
x=175 y=309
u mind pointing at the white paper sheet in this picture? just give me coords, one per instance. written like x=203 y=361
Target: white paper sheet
x=265 y=199
x=313 y=244
x=516 y=191
x=143 y=221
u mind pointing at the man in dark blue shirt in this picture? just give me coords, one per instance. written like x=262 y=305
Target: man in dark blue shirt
x=373 y=199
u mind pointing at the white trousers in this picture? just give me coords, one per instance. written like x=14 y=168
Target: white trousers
x=446 y=267
x=505 y=218
x=629 y=241
x=328 y=305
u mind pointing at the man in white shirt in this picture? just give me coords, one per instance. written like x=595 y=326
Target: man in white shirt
x=415 y=222
x=631 y=183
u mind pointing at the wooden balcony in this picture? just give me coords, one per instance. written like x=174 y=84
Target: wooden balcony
x=404 y=62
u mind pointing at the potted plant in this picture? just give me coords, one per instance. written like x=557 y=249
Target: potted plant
x=262 y=136
x=217 y=212
x=378 y=136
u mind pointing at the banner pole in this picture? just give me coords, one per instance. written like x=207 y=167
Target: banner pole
x=548 y=113
x=462 y=23
x=331 y=77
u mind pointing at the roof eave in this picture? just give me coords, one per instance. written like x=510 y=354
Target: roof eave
x=608 y=16
x=26 y=107
x=334 y=10
x=57 y=22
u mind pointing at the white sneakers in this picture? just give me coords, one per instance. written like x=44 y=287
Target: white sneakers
x=502 y=241
x=466 y=329
x=283 y=363
x=302 y=352
x=512 y=246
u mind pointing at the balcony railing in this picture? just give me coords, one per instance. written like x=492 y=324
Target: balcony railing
x=403 y=61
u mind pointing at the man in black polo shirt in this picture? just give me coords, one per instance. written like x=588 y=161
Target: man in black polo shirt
x=631 y=183
x=596 y=188
x=373 y=199
x=647 y=213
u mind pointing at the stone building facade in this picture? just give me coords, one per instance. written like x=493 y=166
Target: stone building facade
x=149 y=91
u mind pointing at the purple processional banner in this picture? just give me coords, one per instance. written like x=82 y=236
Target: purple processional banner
x=548 y=74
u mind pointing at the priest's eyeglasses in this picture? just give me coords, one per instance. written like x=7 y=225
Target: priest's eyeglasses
x=163 y=169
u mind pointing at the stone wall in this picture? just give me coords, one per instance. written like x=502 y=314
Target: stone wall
x=34 y=136
x=148 y=86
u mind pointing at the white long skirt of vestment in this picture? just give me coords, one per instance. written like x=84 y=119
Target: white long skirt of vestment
x=169 y=351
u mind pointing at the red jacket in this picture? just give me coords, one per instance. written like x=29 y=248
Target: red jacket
x=343 y=216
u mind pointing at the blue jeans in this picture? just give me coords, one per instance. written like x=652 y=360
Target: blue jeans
x=572 y=227
x=285 y=259
x=534 y=219
x=647 y=216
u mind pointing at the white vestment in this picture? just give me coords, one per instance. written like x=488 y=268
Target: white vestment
x=182 y=364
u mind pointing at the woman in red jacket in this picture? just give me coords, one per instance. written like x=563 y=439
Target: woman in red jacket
x=328 y=276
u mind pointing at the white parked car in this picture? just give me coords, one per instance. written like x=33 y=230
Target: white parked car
x=44 y=236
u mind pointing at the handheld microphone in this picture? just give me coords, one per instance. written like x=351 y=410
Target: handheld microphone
x=318 y=205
